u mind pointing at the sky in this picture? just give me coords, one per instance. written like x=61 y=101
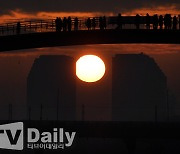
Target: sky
x=15 y=9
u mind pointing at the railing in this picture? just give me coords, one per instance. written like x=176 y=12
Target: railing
x=36 y=26
x=49 y=25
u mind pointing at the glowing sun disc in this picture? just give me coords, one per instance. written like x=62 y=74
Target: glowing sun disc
x=90 y=68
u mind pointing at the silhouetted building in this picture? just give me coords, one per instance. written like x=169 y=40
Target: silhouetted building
x=139 y=89
x=51 y=88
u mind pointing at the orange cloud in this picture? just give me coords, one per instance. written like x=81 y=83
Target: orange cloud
x=172 y=9
x=19 y=15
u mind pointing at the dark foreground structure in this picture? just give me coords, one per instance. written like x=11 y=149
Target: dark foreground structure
x=85 y=37
x=139 y=89
x=51 y=88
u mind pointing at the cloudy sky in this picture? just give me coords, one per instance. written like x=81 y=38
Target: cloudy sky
x=51 y=8
x=82 y=5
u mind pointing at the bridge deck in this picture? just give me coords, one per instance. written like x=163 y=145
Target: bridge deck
x=84 y=37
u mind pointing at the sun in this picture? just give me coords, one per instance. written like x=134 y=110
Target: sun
x=90 y=68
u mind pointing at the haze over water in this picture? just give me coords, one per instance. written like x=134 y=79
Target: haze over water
x=15 y=66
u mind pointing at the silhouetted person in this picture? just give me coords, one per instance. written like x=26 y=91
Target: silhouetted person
x=168 y=21
x=69 y=22
x=175 y=22
x=161 y=20
x=88 y=23
x=65 y=24
x=76 y=23
x=166 y=18
x=58 y=23
x=94 y=23
x=101 y=23
x=147 y=21
x=119 y=21
x=18 y=28
x=155 y=21
x=137 y=21
x=104 y=22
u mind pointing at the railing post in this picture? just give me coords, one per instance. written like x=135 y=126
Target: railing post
x=41 y=25
x=36 y=27
x=52 y=25
x=25 y=27
x=80 y=24
x=46 y=25
x=30 y=25
x=7 y=28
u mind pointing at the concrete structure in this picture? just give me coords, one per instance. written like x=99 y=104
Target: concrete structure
x=51 y=88
x=139 y=89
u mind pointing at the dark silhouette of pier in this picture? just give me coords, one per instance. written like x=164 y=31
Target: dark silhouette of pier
x=95 y=30
x=85 y=37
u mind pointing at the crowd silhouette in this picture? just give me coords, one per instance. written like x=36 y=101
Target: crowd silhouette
x=148 y=22
x=93 y=23
x=66 y=24
x=157 y=22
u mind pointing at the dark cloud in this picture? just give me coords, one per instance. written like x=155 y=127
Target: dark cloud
x=80 y=5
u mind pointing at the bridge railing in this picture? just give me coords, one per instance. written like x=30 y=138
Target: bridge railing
x=49 y=25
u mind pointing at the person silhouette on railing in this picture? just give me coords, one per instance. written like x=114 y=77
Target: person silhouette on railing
x=76 y=23
x=119 y=21
x=94 y=23
x=175 y=22
x=69 y=22
x=166 y=21
x=88 y=23
x=101 y=23
x=155 y=21
x=18 y=28
x=161 y=20
x=148 y=21
x=137 y=21
x=169 y=21
x=104 y=22
x=65 y=24
x=58 y=23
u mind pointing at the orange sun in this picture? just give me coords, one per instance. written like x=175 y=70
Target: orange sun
x=90 y=68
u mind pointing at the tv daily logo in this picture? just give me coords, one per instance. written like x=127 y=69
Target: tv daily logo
x=12 y=136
